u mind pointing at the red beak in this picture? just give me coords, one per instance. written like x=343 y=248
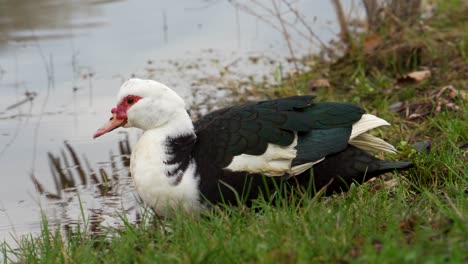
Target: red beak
x=112 y=124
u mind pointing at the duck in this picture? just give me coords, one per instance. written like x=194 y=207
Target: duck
x=241 y=153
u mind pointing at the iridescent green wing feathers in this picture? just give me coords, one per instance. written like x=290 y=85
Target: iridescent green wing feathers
x=322 y=128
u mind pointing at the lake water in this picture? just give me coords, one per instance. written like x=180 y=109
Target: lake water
x=72 y=56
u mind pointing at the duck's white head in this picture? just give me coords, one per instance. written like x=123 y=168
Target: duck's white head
x=143 y=104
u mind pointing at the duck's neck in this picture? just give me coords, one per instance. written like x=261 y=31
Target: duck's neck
x=162 y=165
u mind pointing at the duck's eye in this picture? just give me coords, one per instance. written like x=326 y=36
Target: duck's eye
x=130 y=100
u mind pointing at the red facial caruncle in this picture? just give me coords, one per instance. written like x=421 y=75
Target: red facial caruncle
x=119 y=115
x=121 y=110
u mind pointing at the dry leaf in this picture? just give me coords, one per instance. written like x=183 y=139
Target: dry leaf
x=314 y=84
x=390 y=183
x=371 y=42
x=420 y=75
x=415 y=76
x=319 y=83
x=414 y=116
x=453 y=92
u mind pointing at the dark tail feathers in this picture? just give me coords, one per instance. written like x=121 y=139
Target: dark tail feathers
x=340 y=170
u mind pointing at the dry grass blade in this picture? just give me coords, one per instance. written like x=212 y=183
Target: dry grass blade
x=67 y=165
x=104 y=186
x=91 y=172
x=39 y=188
x=77 y=162
x=56 y=179
x=125 y=151
x=63 y=182
x=114 y=169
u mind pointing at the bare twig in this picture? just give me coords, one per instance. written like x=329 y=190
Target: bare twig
x=17 y=131
x=208 y=4
x=254 y=14
x=454 y=207
x=301 y=19
x=50 y=85
x=406 y=11
x=165 y=27
x=29 y=96
x=345 y=36
x=268 y=21
x=372 y=8
x=285 y=34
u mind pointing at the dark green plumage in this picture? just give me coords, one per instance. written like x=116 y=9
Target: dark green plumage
x=323 y=128
x=316 y=144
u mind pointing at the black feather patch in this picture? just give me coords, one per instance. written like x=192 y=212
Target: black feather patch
x=179 y=150
x=340 y=170
x=319 y=143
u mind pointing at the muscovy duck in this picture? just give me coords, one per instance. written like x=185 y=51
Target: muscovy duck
x=244 y=150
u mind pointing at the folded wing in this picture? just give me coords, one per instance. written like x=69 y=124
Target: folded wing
x=283 y=136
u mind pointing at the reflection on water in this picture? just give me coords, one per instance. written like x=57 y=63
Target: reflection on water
x=102 y=190
x=29 y=19
x=70 y=171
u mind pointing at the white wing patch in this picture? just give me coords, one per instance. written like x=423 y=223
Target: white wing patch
x=361 y=139
x=366 y=123
x=276 y=161
x=370 y=143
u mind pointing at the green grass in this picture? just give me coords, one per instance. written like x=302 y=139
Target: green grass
x=421 y=219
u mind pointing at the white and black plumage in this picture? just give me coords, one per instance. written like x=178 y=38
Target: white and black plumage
x=177 y=163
